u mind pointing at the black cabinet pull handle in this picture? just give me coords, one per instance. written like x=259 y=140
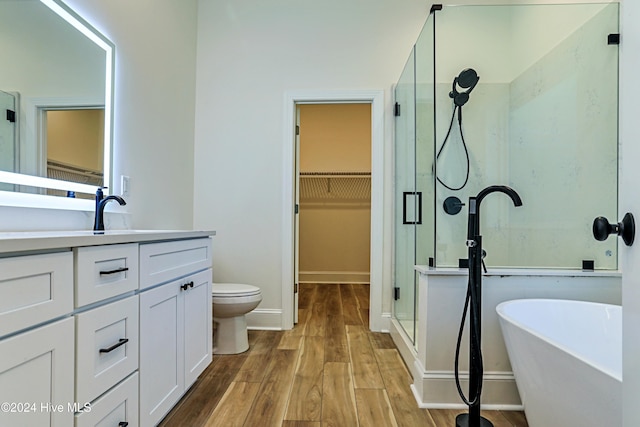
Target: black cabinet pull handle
x=184 y=287
x=191 y=284
x=117 y=270
x=120 y=342
x=123 y=424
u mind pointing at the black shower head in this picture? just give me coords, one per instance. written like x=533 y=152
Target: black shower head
x=467 y=80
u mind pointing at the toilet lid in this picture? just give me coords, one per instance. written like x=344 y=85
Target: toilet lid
x=233 y=290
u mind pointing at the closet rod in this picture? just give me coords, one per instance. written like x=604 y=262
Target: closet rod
x=336 y=174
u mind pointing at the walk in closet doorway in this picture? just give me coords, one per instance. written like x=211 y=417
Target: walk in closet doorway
x=334 y=190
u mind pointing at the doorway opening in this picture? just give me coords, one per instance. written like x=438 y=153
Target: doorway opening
x=378 y=321
x=72 y=143
x=334 y=200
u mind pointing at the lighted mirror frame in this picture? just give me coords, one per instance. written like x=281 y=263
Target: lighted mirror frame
x=15 y=198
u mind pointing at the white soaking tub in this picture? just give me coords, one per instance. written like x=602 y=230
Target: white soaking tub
x=567 y=360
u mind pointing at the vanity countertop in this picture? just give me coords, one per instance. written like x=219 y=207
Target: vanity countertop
x=28 y=241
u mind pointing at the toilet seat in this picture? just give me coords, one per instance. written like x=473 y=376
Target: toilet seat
x=233 y=290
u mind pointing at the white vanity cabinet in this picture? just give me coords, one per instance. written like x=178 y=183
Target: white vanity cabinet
x=106 y=330
x=175 y=322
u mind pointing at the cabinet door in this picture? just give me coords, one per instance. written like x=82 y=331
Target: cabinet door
x=36 y=377
x=161 y=351
x=197 y=324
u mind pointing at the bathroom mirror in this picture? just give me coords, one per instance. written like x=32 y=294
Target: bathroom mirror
x=55 y=89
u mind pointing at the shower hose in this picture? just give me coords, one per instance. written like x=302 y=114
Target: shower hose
x=475 y=365
x=464 y=145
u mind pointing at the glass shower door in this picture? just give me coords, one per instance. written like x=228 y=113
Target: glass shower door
x=425 y=166
x=407 y=203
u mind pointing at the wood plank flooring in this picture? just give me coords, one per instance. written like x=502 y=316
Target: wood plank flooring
x=330 y=370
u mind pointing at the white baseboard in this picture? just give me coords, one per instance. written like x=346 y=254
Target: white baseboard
x=265 y=319
x=384 y=324
x=346 y=277
x=437 y=389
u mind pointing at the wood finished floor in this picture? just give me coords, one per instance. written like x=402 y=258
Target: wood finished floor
x=330 y=370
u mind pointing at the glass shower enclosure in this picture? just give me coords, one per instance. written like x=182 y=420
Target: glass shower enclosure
x=517 y=95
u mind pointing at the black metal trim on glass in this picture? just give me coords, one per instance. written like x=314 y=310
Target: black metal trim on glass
x=396 y=109
x=121 y=341
x=613 y=38
x=435 y=7
x=404 y=207
x=588 y=264
x=117 y=270
x=11 y=116
x=123 y=424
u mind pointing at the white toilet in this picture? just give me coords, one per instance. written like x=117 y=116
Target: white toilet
x=231 y=301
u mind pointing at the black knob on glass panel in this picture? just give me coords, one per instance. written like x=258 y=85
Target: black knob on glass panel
x=625 y=228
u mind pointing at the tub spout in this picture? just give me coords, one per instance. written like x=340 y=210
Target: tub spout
x=474 y=206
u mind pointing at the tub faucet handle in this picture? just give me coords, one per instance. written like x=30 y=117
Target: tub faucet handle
x=625 y=228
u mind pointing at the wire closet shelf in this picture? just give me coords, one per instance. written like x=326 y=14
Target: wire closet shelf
x=335 y=186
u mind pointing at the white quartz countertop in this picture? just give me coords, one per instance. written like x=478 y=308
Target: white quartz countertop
x=27 y=241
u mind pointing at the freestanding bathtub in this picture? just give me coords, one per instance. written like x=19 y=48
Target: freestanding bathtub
x=567 y=360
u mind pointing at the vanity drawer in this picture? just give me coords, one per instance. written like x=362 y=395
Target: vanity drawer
x=118 y=405
x=105 y=271
x=164 y=261
x=106 y=347
x=34 y=289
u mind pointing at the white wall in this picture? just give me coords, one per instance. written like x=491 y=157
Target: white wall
x=630 y=202
x=249 y=54
x=154 y=114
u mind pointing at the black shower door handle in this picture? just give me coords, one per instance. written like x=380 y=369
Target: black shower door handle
x=405 y=196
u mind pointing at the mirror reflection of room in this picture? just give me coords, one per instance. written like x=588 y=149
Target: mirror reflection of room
x=55 y=88
x=75 y=141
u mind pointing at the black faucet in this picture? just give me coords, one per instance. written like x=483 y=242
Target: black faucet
x=101 y=202
x=474 y=300
x=473 y=229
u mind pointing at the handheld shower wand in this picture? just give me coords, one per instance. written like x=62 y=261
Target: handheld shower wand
x=461 y=87
x=474 y=299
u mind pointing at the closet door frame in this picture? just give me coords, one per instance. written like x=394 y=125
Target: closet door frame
x=379 y=313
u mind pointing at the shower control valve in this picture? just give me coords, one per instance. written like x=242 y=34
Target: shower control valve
x=472 y=243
